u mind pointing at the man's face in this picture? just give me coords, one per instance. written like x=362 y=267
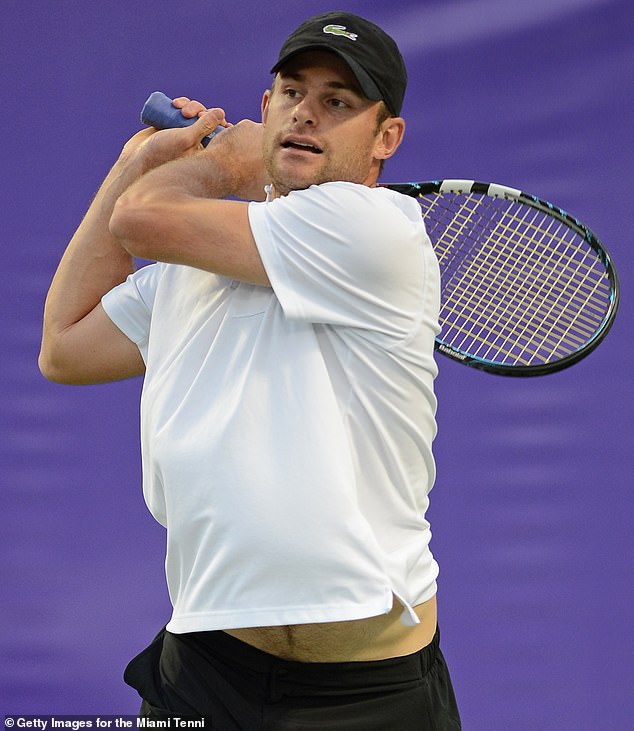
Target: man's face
x=318 y=125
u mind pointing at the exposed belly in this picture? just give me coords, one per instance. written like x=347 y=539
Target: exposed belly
x=375 y=638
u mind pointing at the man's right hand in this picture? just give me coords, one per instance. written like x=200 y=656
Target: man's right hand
x=150 y=148
x=239 y=151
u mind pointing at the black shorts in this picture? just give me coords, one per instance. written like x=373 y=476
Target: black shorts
x=236 y=687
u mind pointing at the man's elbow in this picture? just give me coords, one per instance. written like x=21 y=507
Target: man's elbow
x=51 y=369
x=129 y=224
x=57 y=365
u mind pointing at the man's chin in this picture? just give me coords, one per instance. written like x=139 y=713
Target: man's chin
x=293 y=176
x=284 y=186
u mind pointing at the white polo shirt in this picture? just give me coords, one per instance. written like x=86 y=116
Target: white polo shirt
x=286 y=431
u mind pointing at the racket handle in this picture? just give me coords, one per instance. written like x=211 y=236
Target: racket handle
x=159 y=112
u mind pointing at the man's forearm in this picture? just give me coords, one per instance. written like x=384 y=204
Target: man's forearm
x=94 y=260
x=175 y=214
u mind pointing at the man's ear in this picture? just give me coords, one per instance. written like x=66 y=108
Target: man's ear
x=264 y=107
x=390 y=137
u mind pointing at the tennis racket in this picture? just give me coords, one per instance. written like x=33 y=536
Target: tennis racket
x=526 y=288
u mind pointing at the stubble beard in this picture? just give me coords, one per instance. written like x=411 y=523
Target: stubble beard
x=351 y=169
x=285 y=182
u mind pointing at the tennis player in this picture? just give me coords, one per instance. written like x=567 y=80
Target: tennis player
x=286 y=339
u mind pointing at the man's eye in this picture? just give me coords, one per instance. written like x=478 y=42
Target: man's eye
x=338 y=103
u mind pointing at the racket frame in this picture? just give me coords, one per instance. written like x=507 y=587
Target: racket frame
x=458 y=186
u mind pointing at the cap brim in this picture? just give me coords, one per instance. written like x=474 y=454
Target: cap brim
x=365 y=81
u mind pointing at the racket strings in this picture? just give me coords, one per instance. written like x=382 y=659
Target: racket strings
x=503 y=236
x=509 y=320
x=505 y=316
x=515 y=280
x=567 y=290
x=531 y=279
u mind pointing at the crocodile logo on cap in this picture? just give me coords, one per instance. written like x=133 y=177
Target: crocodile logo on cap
x=340 y=30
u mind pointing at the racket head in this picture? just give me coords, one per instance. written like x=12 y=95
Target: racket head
x=526 y=288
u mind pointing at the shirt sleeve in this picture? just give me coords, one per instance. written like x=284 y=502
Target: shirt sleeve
x=129 y=305
x=344 y=254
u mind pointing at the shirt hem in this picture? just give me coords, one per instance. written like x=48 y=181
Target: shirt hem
x=272 y=617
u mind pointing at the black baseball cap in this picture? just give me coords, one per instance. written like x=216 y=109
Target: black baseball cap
x=371 y=54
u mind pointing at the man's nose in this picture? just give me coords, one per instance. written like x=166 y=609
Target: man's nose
x=304 y=112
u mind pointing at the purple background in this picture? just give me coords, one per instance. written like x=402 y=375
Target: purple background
x=531 y=515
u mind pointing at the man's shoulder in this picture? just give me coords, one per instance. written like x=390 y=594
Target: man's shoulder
x=374 y=202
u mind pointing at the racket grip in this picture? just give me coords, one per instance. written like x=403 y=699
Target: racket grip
x=159 y=112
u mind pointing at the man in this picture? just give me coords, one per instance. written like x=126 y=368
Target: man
x=288 y=405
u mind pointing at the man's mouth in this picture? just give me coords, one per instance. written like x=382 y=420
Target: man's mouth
x=304 y=146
